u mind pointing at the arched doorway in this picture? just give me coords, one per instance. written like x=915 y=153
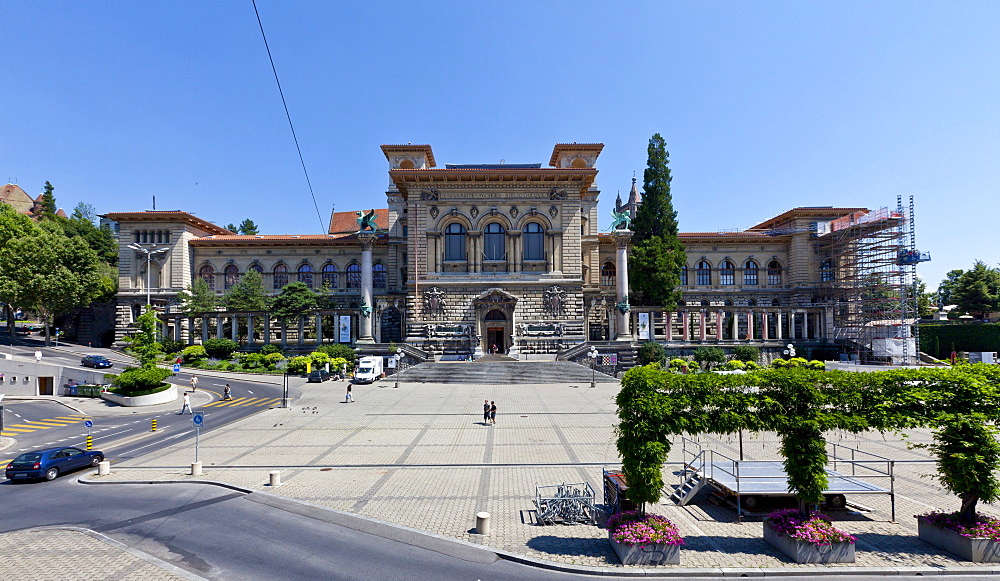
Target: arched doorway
x=496 y=331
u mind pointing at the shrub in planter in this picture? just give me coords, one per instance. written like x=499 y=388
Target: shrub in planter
x=134 y=380
x=651 y=352
x=746 y=353
x=220 y=348
x=319 y=358
x=644 y=539
x=751 y=365
x=978 y=542
x=251 y=360
x=779 y=363
x=269 y=349
x=817 y=365
x=272 y=359
x=678 y=364
x=734 y=365
x=709 y=356
x=340 y=350
x=797 y=362
x=812 y=540
x=297 y=364
x=193 y=354
x=172 y=346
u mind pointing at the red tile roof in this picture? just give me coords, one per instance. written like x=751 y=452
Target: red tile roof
x=166 y=216
x=347 y=222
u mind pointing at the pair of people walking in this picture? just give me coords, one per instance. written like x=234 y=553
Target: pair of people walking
x=489 y=412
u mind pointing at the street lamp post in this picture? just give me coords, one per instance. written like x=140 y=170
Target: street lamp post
x=148 y=252
x=399 y=368
x=592 y=354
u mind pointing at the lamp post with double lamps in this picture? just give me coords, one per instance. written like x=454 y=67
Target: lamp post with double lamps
x=149 y=252
x=592 y=355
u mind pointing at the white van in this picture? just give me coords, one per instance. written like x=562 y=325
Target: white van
x=369 y=370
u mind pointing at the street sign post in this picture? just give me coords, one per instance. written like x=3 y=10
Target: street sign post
x=90 y=441
x=198 y=419
x=177 y=367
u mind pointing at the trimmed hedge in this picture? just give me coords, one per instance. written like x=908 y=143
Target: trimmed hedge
x=940 y=340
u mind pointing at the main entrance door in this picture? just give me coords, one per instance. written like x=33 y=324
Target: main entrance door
x=495 y=340
x=496 y=332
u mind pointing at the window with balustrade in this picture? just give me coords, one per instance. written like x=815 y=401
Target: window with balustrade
x=280 y=276
x=750 y=273
x=727 y=273
x=704 y=273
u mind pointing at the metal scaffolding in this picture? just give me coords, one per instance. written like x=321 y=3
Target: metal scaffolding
x=869 y=265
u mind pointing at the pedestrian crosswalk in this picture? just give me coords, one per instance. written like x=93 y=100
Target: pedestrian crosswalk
x=244 y=402
x=27 y=426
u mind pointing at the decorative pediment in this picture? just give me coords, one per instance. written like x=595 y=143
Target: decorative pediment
x=494 y=298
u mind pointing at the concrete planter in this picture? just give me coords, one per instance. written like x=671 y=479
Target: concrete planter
x=805 y=552
x=648 y=555
x=975 y=550
x=165 y=396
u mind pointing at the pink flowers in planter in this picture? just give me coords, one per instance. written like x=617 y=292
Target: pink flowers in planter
x=631 y=528
x=817 y=530
x=986 y=527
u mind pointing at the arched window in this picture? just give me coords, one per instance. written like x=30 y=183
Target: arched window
x=330 y=276
x=207 y=273
x=774 y=272
x=494 y=242
x=280 y=276
x=750 y=273
x=145 y=236
x=353 y=271
x=826 y=270
x=608 y=274
x=232 y=276
x=727 y=273
x=166 y=237
x=684 y=275
x=256 y=268
x=137 y=237
x=704 y=273
x=378 y=275
x=534 y=241
x=454 y=242
x=306 y=274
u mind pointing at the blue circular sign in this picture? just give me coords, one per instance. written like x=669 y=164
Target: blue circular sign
x=88 y=424
x=198 y=419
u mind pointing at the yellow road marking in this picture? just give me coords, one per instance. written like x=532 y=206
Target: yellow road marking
x=31 y=428
x=270 y=402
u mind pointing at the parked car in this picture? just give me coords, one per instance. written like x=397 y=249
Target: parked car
x=96 y=361
x=50 y=463
x=318 y=376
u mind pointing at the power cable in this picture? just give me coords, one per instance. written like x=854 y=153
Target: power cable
x=288 y=115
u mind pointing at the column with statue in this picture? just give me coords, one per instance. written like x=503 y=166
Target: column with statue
x=622 y=234
x=367 y=235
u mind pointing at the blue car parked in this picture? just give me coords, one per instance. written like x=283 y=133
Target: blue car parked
x=49 y=464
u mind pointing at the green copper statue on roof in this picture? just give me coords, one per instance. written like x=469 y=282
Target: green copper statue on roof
x=621 y=219
x=366 y=221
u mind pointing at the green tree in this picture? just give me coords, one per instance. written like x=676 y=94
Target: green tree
x=926 y=301
x=50 y=274
x=231 y=227
x=746 y=353
x=247 y=228
x=657 y=253
x=651 y=352
x=143 y=344
x=13 y=226
x=947 y=287
x=101 y=240
x=978 y=290
x=247 y=294
x=295 y=300
x=708 y=356
x=49 y=208
x=84 y=211
x=198 y=298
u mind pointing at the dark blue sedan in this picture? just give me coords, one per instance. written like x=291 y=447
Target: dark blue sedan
x=49 y=464
x=96 y=361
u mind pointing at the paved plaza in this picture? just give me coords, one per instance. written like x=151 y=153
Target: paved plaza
x=421 y=456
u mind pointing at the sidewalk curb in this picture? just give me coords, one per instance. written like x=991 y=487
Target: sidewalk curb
x=469 y=551
x=169 y=567
x=52 y=398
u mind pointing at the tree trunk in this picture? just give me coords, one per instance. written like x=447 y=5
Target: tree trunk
x=968 y=512
x=10 y=322
x=45 y=321
x=803 y=508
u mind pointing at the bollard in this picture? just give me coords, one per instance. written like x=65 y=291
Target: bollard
x=104 y=468
x=90 y=443
x=275 y=477
x=196 y=469
x=482 y=523
x=154 y=425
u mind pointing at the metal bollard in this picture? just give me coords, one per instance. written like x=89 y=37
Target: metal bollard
x=154 y=425
x=482 y=523
x=90 y=442
x=104 y=468
x=275 y=477
x=196 y=469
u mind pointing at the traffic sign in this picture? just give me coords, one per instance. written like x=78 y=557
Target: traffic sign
x=177 y=367
x=88 y=423
x=198 y=419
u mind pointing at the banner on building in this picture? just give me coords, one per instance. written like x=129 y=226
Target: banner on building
x=644 y=326
x=345 y=328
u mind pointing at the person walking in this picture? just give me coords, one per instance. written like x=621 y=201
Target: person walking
x=187 y=404
x=486 y=412
x=38 y=355
x=194 y=383
x=227 y=393
x=349 y=398
x=493 y=413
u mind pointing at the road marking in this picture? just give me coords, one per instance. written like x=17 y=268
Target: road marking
x=18 y=415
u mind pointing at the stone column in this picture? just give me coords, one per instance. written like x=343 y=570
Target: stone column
x=267 y=328
x=235 y=331
x=250 y=338
x=686 y=330
x=719 y=322
x=284 y=334
x=219 y=331
x=750 y=325
x=557 y=252
x=319 y=329
x=735 y=323
x=367 y=240
x=668 y=325
x=791 y=325
x=204 y=329
x=764 y=331
x=780 y=334
x=622 y=238
x=514 y=253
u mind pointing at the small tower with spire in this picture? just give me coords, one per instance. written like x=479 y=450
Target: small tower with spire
x=634 y=201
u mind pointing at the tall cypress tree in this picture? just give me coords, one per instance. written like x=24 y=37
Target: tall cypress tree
x=48 y=202
x=657 y=253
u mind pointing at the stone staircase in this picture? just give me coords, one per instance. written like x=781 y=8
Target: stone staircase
x=498 y=369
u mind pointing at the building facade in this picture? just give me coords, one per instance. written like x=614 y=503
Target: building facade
x=474 y=258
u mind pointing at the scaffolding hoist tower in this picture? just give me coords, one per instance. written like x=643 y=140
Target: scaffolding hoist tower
x=873 y=283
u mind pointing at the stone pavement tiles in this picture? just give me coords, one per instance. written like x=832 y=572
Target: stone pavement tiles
x=41 y=555
x=420 y=456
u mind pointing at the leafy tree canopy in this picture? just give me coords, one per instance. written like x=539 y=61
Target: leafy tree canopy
x=197 y=298
x=247 y=294
x=49 y=208
x=947 y=287
x=295 y=300
x=977 y=291
x=247 y=228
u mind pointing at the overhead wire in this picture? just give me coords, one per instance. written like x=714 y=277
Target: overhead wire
x=289 y=116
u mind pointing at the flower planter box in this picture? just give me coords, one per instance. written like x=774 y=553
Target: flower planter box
x=975 y=550
x=805 y=552
x=654 y=554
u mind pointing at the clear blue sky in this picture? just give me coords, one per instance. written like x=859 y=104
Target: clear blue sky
x=764 y=105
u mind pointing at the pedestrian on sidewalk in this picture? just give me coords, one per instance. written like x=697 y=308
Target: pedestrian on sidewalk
x=38 y=355
x=486 y=412
x=227 y=393
x=187 y=404
x=194 y=383
x=493 y=413
x=350 y=398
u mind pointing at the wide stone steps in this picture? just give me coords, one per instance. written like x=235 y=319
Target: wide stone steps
x=501 y=372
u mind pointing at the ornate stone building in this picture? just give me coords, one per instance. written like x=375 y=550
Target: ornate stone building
x=481 y=257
